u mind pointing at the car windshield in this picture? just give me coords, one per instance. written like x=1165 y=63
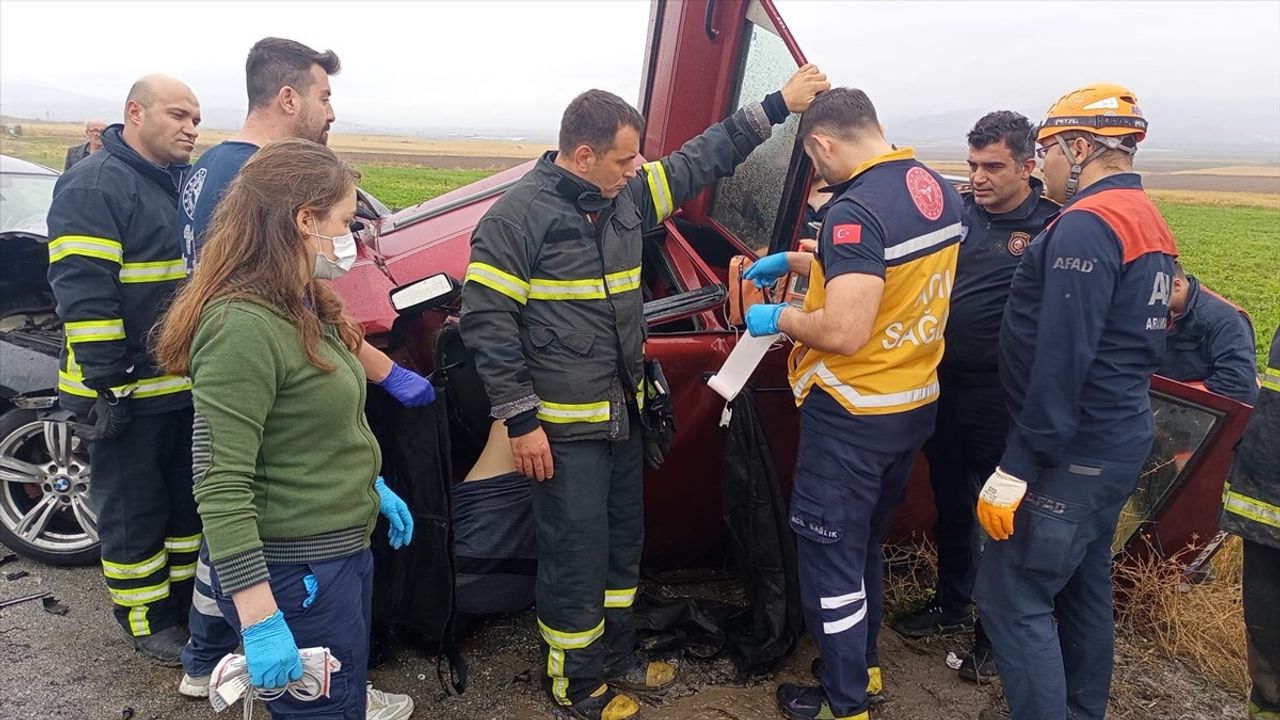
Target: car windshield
x=747 y=202
x=24 y=202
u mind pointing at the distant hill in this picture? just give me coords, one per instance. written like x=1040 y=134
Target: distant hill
x=1243 y=133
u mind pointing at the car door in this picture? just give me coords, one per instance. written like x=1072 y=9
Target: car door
x=705 y=60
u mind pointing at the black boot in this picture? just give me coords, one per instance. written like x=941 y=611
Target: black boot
x=165 y=646
x=800 y=702
x=979 y=666
x=875 y=681
x=935 y=618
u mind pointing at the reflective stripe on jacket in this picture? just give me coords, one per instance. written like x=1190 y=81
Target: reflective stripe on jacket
x=537 y=313
x=114 y=265
x=1251 y=499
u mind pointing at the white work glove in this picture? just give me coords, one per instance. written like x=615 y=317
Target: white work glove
x=997 y=502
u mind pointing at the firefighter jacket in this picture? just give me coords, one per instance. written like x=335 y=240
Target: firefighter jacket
x=114 y=265
x=546 y=317
x=1084 y=328
x=1251 y=499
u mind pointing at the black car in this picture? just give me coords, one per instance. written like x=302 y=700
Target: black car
x=45 y=512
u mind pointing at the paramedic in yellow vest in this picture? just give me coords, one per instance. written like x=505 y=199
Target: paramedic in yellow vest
x=867 y=347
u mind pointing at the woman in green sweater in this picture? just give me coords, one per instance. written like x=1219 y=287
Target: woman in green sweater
x=286 y=466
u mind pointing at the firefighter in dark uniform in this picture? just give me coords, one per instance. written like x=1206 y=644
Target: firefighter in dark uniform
x=552 y=312
x=1251 y=509
x=114 y=264
x=1210 y=341
x=864 y=373
x=1004 y=208
x=1083 y=330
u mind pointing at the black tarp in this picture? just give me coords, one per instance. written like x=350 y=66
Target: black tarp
x=763 y=633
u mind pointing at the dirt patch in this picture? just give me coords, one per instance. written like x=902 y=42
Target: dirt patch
x=79 y=667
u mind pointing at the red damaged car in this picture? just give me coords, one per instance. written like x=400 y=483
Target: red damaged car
x=704 y=60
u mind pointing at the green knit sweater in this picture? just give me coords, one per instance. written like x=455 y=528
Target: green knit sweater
x=284 y=459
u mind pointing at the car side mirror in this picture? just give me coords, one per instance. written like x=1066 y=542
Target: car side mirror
x=430 y=292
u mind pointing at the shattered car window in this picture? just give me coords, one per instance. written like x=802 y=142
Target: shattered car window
x=24 y=202
x=747 y=203
x=1180 y=432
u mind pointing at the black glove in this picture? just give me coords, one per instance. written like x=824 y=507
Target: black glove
x=108 y=417
x=657 y=443
x=658 y=416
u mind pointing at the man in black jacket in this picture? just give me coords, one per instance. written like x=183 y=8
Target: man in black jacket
x=114 y=264
x=1251 y=509
x=1004 y=209
x=552 y=311
x=1210 y=341
x=92 y=144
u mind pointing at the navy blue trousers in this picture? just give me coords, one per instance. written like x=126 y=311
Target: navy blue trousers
x=966 y=445
x=338 y=619
x=1045 y=594
x=841 y=504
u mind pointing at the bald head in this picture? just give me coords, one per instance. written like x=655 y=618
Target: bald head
x=147 y=90
x=160 y=119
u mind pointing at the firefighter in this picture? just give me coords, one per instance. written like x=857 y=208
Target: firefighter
x=867 y=346
x=1004 y=208
x=1210 y=341
x=113 y=265
x=1083 y=330
x=551 y=310
x=1251 y=509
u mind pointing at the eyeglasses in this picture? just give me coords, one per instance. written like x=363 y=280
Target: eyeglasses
x=1043 y=150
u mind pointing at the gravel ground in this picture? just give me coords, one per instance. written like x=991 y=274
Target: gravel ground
x=78 y=666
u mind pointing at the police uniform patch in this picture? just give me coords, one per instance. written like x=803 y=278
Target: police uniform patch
x=1018 y=243
x=925 y=192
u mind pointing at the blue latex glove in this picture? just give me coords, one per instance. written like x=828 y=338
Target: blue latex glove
x=766 y=271
x=396 y=513
x=763 y=319
x=271 y=653
x=407 y=386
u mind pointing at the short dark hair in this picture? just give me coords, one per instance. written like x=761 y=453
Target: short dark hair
x=1011 y=128
x=1178 y=271
x=846 y=113
x=594 y=118
x=275 y=62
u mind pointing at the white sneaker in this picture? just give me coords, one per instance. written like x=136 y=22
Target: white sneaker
x=194 y=687
x=386 y=706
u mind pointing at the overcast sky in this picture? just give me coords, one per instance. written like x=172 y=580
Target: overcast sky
x=514 y=65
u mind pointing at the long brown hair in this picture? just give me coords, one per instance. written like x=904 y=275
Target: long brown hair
x=255 y=251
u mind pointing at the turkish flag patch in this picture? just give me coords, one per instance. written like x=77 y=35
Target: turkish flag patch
x=847 y=234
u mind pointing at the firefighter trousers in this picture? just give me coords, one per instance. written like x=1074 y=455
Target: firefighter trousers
x=1045 y=593
x=842 y=501
x=1262 y=623
x=147 y=520
x=589 y=523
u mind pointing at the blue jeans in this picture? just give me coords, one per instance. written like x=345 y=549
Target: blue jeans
x=338 y=619
x=1045 y=594
x=212 y=637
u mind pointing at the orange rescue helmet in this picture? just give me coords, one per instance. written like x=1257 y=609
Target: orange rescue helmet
x=1103 y=109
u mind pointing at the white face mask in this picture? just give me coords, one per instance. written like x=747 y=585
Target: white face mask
x=344 y=247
